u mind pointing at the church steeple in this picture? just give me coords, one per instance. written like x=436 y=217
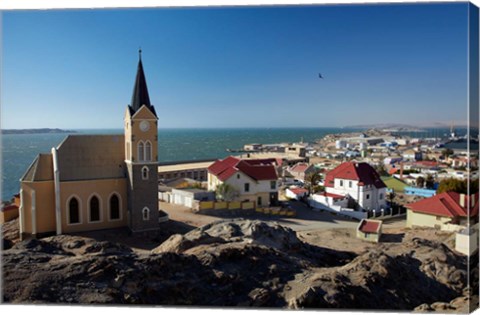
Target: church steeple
x=140 y=95
x=141 y=157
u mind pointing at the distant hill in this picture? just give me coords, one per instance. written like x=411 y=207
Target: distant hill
x=34 y=131
x=385 y=127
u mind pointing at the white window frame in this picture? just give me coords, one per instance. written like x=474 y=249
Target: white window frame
x=141 y=151
x=146 y=210
x=148 y=157
x=148 y=173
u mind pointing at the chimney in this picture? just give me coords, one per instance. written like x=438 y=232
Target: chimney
x=462 y=200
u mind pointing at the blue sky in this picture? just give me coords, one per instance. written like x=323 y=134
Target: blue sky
x=237 y=67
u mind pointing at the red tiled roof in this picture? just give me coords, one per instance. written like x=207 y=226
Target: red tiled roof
x=363 y=172
x=256 y=169
x=299 y=167
x=368 y=226
x=10 y=208
x=334 y=196
x=259 y=171
x=426 y=163
x=298 y=191
x=446 y=204
x=392 y=171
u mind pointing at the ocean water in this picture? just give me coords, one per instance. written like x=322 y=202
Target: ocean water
x=19 y=150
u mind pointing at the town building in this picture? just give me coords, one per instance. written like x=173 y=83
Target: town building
x=301 y=171
x=445 y=211
x=8 y=213
x=369 y=230
x=361 y=182
x=252 y=180
x=92 y=182
x=196 y=170
x=412 y=155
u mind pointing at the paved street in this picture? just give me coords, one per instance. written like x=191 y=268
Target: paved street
x=306 y=218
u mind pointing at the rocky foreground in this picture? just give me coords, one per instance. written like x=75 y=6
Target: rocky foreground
x=237 y=263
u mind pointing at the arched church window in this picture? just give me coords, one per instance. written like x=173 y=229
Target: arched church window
x=148 y=151
x=141 y=152
x=114 y=207
x=94 y=209
x=145 y=173
x=73 y=211
x=146 y=214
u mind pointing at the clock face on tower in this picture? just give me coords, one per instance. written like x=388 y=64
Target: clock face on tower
x=144 y=125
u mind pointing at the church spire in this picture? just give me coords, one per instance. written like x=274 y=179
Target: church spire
x=140 y=95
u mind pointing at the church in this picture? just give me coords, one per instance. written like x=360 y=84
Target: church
x=93 y=182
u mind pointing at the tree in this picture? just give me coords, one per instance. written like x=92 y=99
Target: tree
x=447 y=152
x=420 y=181
x=452 y=184
x=311 y=180
x=429 y=182
x=318 y=188
x=457 y=185
x=380 y=168
x=225 y=192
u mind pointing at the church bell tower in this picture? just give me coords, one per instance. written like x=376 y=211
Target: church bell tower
x=141 y=157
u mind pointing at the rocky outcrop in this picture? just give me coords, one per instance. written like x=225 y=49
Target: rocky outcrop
x=233 y=263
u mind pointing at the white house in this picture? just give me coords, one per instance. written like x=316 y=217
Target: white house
x=296 y=193
x=412 y=155
x=361 y=182
x=252 y=180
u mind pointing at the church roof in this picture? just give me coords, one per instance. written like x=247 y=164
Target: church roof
x=40 y=170
x=87 y=157
x=140 y=95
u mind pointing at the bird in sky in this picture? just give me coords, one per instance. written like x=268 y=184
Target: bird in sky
x=320 y=76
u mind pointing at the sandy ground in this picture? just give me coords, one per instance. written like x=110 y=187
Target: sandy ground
x=318 y=228
x=305 y=220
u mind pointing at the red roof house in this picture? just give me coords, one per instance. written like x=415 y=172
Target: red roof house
x=301 y=170
x=253 y=180
x=453 y=207
x=255 y=169
x=361 y=172
x=369 y=230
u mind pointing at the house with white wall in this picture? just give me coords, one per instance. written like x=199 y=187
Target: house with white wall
x=445 y=211
x=361 y=182
x=412 y=155
x=252 y=180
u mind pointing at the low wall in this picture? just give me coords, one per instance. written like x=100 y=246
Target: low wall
x=451 y=227
x=223 y=205
x=358 y=215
